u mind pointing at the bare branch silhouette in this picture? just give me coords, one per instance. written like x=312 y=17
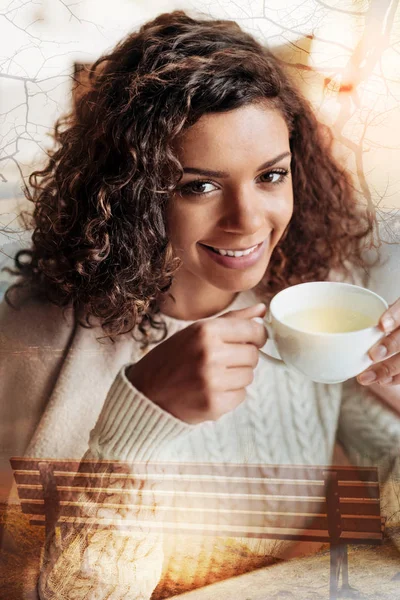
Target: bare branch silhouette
x=341 y=10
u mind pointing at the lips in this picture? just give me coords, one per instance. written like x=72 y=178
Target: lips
x=254 y=246
x=212 y=248
x=233 y=262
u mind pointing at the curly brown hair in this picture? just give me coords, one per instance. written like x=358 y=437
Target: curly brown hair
x=99 y=240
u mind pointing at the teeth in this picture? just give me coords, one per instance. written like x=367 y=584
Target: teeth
x=235 y=253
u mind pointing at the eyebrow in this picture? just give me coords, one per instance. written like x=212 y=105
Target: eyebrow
x=208 y=173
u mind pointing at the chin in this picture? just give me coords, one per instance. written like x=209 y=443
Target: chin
x=240 y=285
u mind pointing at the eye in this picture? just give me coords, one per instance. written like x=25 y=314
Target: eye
x=276 y=176
x=197 y=187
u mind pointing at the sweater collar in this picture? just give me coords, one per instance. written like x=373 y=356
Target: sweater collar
x=242 y=300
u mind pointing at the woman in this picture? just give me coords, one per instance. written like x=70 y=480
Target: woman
x=191 y=146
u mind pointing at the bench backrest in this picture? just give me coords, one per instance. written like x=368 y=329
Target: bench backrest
x=296 y=502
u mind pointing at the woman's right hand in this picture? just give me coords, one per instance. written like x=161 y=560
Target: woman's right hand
x=201 y=372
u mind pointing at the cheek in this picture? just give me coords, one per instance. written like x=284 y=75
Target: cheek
x=282 y=211
x=188 y=224
x=288 y=213
x=287 y=206
x=184 y=229
x=174 y=221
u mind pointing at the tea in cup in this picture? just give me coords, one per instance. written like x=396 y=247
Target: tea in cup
x=324 y=329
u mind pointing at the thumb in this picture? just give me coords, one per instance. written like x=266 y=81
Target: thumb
x=257 y=310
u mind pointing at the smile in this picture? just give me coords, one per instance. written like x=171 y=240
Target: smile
x=234 y=252
x=236 y=259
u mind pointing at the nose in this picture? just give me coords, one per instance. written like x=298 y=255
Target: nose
x=244 y=211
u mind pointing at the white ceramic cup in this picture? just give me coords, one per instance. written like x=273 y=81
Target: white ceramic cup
x=323 y=357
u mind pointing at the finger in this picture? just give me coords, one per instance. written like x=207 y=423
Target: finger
x=386 y=346
x=240 y=355
x=258 y=310
x=382 y=372
x=242 y=331
x=390 y=319
x=237 y=378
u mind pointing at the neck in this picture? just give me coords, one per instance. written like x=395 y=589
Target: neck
x=191 y=306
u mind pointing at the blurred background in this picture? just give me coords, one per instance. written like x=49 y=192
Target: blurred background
x=345 y=55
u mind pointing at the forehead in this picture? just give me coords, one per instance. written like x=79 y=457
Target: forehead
x=252 y=131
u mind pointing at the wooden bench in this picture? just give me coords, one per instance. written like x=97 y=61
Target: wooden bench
x=335 y=505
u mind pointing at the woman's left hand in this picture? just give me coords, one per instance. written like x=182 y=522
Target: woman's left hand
x=385 y=371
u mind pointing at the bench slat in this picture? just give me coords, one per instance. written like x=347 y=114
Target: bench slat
x=214 y=516
x=199 y=504
x=250 y=518
x=165 y=481
x=223 y=469
x=213 y=488
x=275 y=493
x=255 y=502
x=226 y=531
x=362 y=506
x=358 y=490
x=107 y=479
x=367 y=506
x=160 y=480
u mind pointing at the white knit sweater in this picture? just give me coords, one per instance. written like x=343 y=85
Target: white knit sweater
x=284 y=419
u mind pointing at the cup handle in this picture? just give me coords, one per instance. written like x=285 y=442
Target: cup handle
x=277 y=359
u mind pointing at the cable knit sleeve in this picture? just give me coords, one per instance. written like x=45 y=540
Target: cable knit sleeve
x=368 y=429
x=366 y=426
x=102 y=563
x=370 y=433
x=132 y=427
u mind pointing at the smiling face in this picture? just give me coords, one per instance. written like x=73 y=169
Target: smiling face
x=236 y=193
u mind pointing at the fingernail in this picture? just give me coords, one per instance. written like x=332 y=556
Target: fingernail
x=259 y=306
x=378 y=352
x=388 y=324
x=367 y=377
